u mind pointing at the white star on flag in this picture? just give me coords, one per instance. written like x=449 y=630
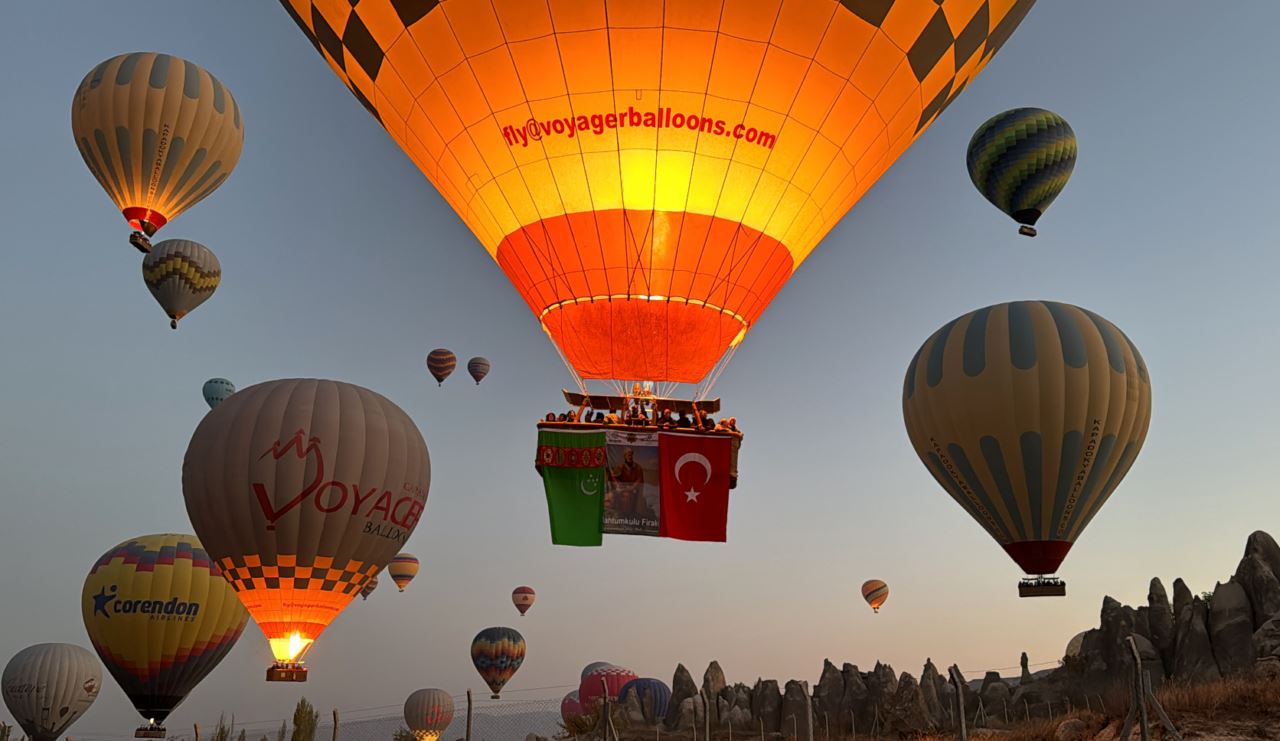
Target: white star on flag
x=691 y=495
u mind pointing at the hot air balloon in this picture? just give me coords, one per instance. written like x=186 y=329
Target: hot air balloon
x=592 y=667
x=301 y=491
x=427 y=713
x=875 y=592
x=523 y=598
x=161 y=617
x=1020 y=160
x=648 y=690
x=368 y=588
x=648 y=212
x=181 y=274
x=497 y=653
x=1029 y=414
x=1075 y=646
x=216 y=391
x=440 y=363
x=158 y=132
x=478 y=368
x=570 y=708
x=402 y=569
x=47 y=687
x=609 y=678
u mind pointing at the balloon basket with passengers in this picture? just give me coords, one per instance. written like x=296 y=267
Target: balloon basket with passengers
x=637 y=464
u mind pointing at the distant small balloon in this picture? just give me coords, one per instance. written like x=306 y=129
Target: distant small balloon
x=440 y=363
x=478 y=368
x=523 y=598
x=875 y=592
x=216 y=391
x=181 y=275
x=368 y=588
x=402 y=569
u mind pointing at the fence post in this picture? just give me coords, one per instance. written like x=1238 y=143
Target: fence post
x=853 y=726
x=762 y=729
x=954 y=671
x=1026 y=709
x=196 y=726
x=335 y=724
x=1088 y=705
x=1006 y=711
x=468 y=715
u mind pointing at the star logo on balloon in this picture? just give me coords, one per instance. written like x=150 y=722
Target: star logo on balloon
x=691 y=495
x=102 y=599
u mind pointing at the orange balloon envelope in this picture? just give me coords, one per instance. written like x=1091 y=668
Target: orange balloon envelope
x=649 y=174
x=302 y=490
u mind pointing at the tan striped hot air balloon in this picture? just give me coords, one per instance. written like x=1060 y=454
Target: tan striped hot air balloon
x=649 y=174
x=1029 y=414
x=302 y=490
x=158 y=132
x=181 y=275
x=440 y=363
x=875 y=592
x=402 y=569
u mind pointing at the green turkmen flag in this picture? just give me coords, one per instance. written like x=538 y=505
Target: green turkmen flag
x=572 y=467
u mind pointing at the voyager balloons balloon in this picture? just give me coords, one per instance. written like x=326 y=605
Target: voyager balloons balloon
x=649 y=211
x=302 y=490
x=428 y=713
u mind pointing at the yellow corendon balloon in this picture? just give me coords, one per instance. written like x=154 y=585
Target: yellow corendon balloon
x=158 y=133
x=302 y=490
x=648 y=173
x=161 y=617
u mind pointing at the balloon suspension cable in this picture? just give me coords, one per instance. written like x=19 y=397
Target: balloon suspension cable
x=709 y=382
x=577 y=379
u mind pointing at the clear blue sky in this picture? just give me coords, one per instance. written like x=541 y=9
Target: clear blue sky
x=340 y=260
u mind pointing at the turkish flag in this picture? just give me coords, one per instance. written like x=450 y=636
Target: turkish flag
x=695 y=486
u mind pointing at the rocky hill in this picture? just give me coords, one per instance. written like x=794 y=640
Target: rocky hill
x=1234 y=633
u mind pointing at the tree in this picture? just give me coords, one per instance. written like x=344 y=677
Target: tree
x=222 y=732
x=305 y=720
x=403 y=734
x=284 y=730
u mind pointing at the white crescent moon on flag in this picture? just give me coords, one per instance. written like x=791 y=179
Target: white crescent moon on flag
x=582 y=487
x=698 y=458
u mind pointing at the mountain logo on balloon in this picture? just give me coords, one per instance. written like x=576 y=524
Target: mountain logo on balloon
x=91 y=687
x=107 y=602
x=333 y=496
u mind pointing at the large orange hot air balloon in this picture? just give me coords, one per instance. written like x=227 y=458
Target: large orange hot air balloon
x=648 y=174
x=301 y=491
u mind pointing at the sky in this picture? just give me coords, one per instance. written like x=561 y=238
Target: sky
x=341 y=261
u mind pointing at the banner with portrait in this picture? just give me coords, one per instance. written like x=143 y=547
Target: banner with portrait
x=632 y=499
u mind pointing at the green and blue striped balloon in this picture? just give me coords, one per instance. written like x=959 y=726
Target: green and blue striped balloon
x=1020 y=160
